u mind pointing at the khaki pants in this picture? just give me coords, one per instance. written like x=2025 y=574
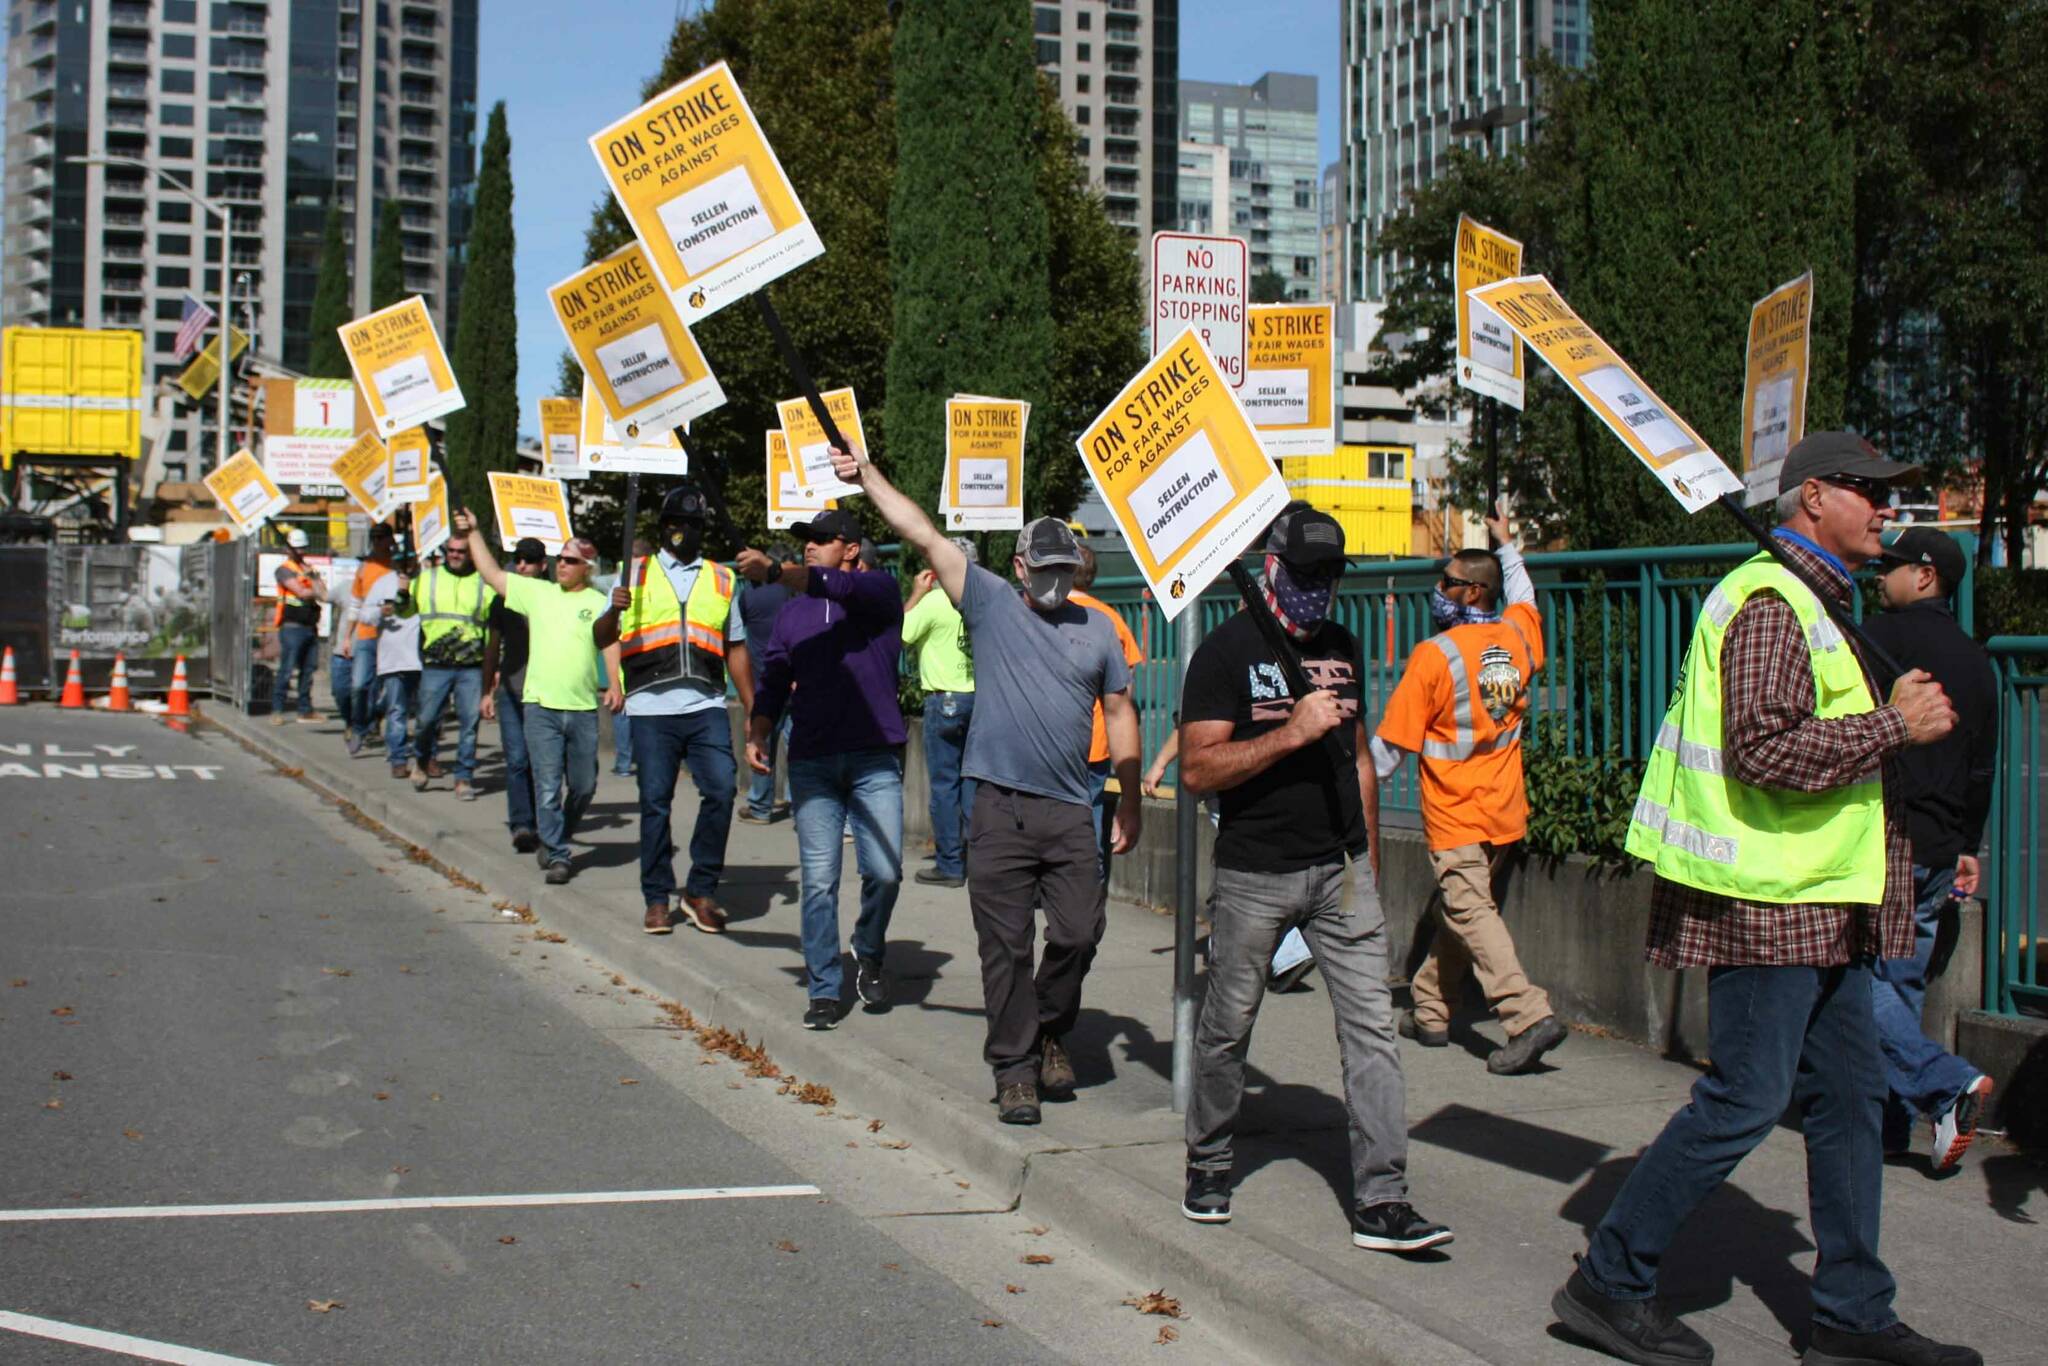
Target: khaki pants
x=1473 y=938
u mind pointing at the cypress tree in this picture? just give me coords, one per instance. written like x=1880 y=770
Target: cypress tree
x=968 y=238
x=483 y=435
x=387 y=258
x=332 y=308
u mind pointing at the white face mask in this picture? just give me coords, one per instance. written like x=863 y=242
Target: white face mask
x=1048 y=588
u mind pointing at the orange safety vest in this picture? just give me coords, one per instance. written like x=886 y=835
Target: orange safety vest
x=302 y=585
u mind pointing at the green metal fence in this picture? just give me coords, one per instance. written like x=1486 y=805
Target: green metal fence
x=2012 y=921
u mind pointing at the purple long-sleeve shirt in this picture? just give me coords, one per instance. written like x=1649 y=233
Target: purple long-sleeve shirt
x=832 y=662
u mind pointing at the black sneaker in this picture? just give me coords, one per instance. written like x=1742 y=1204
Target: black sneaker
x=868 y=982
x=1522 y=1052
x=1208 y=1197
x=1017 y=1103
x=1395 y=1227
x=1897 y=1345
x=1407 y=1028
x=558 y=873
x=1642 y=1331
x=823 y=1014
x=932 y=877
x=525 y=841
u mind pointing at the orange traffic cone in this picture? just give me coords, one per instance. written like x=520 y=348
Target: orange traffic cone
x=74 y=686
x=117 y=692
x=180 y=699
x=9 y=694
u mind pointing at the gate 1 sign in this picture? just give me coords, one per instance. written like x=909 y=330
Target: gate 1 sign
x=1200 y=282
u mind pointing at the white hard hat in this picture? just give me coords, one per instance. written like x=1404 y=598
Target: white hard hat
x=295 y=538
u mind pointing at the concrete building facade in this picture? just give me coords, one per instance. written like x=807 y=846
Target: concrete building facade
x=1268 y=129
x=1117 y=65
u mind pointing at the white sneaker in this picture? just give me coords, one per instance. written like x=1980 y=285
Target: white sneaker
x=1956 y=1126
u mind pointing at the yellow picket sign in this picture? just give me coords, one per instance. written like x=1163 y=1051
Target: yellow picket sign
x=1182 y=470
x=430 y=517
x=983 y=488
x=788 y=502
x=705 y=193
x=604 y=452
x=1774 y=384
x=1289 y=390
x=400 y=367
x=411 y=465
x=1660 y=438
x=245 y=492
x=529 y=506
x=644 y=364
x=560 y=438
x=811 y=450
x=198 y=378
x=364 y=469
x=1489 y=356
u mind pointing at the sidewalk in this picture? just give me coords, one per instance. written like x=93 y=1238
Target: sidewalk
x=1519 y=1167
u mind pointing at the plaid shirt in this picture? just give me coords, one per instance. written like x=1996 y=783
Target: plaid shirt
x=1773 y=739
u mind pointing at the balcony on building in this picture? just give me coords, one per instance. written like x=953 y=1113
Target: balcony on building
x=42 y=16
x=427 y=65
x=127 y=52
x=414 y=30
x=123 y=221
x=241 y=25
x=122 y=251
x=415 y=94
x=120 y=315
x=238 y=59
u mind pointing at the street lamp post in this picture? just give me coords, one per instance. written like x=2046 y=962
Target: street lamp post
x=219 y=212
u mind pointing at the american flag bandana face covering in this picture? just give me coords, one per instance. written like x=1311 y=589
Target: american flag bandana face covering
x=1299 y=603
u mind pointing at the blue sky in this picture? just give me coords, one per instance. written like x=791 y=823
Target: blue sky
x=544 y=69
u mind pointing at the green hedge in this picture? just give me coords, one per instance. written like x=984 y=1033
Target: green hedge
x=2012 y=602
x=1578 y=803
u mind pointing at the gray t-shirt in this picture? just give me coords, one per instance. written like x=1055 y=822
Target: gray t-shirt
x=1037 y=676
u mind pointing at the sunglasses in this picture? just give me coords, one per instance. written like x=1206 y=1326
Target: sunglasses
x=569 y=559
x=1453 y=581
x=1875 y=492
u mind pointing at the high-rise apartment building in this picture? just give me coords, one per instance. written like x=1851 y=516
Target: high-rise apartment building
x=1117 y=64
x=274 y=111
x=1268 y=130
x=1423 y=76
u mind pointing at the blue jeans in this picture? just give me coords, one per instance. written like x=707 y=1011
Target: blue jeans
x=364 y=692
x=1777 y=1035
x=562 y=746
x=761 y=786
x=294 y=656
x=866 y=787
x=662 y=747
x=401 y=701
x=518 y=765
x=624 y=756
x=341 y=681
x=946 y=717
x=1922 y=1076
x=436 y=685
x=1098 y=806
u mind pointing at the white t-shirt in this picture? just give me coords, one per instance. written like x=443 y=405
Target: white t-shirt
x=398 y=645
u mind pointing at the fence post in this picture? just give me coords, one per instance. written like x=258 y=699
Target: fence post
x=1187 y=808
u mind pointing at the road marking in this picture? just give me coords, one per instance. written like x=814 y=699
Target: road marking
x=30 y=1216
x=116 y=1342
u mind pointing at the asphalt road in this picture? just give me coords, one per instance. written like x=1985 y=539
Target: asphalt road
x=215 y=990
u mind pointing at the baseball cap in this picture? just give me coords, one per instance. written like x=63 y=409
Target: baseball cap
x=1820 y=454
x=295 y=538
x=1308 y=540
x=835 y=524
x=1929 y=546
x=583 y=548
x=1048 y=541
x=530 y=551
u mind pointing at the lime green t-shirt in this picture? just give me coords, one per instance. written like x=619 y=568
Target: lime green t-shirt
x=945 y=659
x=561 y=658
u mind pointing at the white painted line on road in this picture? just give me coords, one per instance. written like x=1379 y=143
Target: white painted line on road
x=31 y=1216
x=116 y=1342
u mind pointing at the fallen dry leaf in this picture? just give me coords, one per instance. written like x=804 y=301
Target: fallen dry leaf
x=963 y=1185
x=508 y=1240
x=433 y=1095
x=1156 y=1302
x=787 y=1246
x=851 y=1144
x=19 y=982
x=991 y=1323
x=61 y=1076
x=874 y=1126
x=1040 y=1259
x=53 y=1104
x=1014 y=1289
x=632 y=1285
x=324 y=1306
x=899 y=1144
x=400 y=1169
x=629 y=1081
x=63 y=1011
x=338 y=972
x=550 y=937
x=132 y=1135
x=1167 y=1333
x=404 y=967
x=381 y=1095
x=892 y=1266
x=1038 y=1230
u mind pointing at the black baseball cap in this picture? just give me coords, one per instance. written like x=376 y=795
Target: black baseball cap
x=834 y=525
x=1929 y=546
x=1308 y=540
x=685 y=503
x=1048 y=541
x=530 y=551
x=1820 y=454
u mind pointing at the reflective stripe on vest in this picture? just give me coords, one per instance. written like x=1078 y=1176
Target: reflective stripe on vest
x=1466 y=744
x=661 y=639
x=1700 y=826
x=434 y=623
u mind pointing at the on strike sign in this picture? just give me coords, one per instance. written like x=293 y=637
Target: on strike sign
x=1200 y=282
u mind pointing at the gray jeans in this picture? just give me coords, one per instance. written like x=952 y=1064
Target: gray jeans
x=1348 y=931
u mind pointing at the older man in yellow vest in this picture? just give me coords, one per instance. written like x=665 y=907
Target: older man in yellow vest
x=1776 y=831
x=679 y=638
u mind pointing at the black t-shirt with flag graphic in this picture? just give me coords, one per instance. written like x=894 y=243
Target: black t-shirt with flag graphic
x=1286 y=818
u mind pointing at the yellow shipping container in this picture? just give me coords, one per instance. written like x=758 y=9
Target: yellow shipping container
x=70 y=391
x=1366 y=488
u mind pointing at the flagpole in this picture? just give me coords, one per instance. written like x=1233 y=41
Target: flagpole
x=227 y=328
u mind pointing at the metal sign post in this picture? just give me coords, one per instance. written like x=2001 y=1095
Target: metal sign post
x=1187 y=812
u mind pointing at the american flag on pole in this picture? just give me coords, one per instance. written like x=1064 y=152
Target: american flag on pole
x=192 y=324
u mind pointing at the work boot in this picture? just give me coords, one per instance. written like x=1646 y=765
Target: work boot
x=1017 y=1103
x=706 y=914
x=932 y=877
x=1055 y=1068
x=279 y=719
x=525 y=841
x=1897 y=1345
x=401 y=771
x=1642 y=1331
x=558 y=873
x=1409 y=1028
x=419 y=779
x=1520 y=1053
x=354 y=743
x=464 y=791
x=434 y=769
x=658 y=918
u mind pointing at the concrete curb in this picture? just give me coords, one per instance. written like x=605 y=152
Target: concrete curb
x=1289 y=1309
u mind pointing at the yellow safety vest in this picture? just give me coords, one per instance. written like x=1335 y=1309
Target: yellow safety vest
x=661 y=639
x=1700 y=827
x=451 y=605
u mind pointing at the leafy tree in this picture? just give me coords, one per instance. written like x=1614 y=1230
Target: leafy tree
x=332 y=303
x=484 y=434
x=1269 y=286
x=387 y=258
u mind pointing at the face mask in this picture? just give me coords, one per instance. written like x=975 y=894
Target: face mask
x=1447 y=613
x=1300 y=603
x=683 y=539
x=1048 y=588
